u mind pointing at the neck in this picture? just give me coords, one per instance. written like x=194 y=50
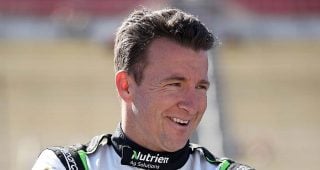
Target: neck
x=134 y=132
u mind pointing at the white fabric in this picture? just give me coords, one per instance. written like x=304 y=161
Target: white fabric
x=105 y=158
x=48 y=161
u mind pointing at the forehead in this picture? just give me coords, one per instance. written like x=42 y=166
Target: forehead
x=165 y=56
x=164 y=48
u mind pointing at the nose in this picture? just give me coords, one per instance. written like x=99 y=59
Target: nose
x=189 y=102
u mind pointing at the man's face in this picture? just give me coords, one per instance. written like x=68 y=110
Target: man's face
x=168 y=104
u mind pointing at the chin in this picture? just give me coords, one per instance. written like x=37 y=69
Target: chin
x=174 y=146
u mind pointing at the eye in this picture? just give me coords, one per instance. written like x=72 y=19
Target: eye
x=175 y=84
x=202 y=87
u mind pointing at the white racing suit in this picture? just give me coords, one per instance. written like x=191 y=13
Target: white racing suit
x=117 y=152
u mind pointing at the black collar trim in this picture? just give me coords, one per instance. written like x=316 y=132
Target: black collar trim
x=135 y=155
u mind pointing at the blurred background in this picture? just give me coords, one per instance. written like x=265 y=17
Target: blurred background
x=57 y=80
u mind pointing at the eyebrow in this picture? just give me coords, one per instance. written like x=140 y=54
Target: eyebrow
x=179 y=78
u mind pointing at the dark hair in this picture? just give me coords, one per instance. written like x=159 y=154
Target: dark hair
x=143 y=26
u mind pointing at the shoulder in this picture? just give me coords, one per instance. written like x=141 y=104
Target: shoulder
x=221 y=163
x=71 y=157
x=60 y=158
x=48 y=160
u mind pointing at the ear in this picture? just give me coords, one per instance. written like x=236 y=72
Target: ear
x=122 y=84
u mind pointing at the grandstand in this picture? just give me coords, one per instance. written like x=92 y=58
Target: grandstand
x=49 y=7
x=280 y=7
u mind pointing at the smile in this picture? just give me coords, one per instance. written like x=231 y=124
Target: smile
x=180 y=121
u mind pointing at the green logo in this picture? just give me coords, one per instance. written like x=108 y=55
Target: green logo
x=134 y=155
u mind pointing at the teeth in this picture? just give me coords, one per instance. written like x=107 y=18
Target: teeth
x=180 y=121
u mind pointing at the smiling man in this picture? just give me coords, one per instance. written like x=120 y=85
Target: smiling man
x=162 y=79
x=165 y=108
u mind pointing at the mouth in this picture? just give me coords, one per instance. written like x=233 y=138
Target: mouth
x=179 y=121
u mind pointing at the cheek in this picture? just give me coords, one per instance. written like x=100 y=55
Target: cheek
x=202 y=108
x=202 y=103
x=149 y=107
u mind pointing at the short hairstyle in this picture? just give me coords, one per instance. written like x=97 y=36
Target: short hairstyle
x=143 y=26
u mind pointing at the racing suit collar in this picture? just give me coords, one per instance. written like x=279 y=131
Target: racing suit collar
x=135 y=155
